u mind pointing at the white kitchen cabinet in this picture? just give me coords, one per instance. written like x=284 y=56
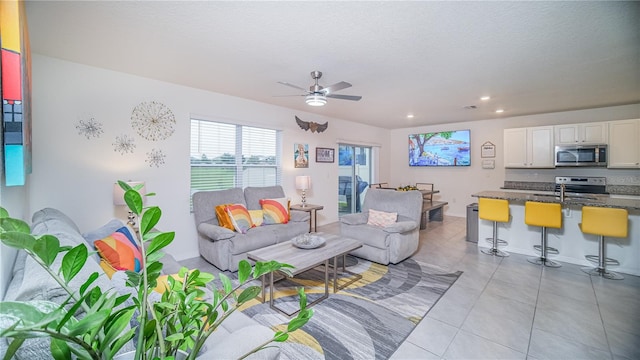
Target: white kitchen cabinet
x=529 y=147
x=578 y=134
x=624 y=144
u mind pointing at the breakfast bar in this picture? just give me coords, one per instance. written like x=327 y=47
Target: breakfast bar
x=571 y=243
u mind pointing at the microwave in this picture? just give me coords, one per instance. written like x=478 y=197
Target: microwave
x=581 y=155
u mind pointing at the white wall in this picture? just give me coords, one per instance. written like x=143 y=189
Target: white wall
x=456 y=184
x=14 y=200
x=76 y=175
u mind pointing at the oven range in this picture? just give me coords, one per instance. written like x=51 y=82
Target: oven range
x=581 y=185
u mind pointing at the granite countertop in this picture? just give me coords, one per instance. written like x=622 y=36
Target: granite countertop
x=590 y=199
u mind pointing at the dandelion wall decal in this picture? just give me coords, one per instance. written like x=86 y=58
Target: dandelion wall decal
x=153 y=120
x=89 y=128
x=155 y=158
x=124 y=144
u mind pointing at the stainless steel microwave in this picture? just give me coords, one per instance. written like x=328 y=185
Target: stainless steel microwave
x=581 y=155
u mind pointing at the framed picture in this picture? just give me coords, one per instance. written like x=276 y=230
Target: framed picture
x=488 y=150
x=325 y=155
x=301 y=155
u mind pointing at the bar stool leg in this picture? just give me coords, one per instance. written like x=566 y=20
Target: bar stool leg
x=494 y=247
x=601 y=270
x=542 y=260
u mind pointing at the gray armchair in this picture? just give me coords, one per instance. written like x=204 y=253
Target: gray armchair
x=392 y=243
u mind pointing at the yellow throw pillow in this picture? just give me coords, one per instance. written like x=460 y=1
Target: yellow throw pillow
x=256 y=217
x=223 y=217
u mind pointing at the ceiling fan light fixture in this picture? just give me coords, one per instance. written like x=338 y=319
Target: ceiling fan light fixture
x=316 y=100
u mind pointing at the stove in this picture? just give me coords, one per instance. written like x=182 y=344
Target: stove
x=579 y=185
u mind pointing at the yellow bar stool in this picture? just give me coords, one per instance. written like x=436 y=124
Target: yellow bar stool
x=545 y=215
x=496 y=210
x=603 y=222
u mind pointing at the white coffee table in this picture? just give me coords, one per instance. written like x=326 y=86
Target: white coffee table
x=306 y=259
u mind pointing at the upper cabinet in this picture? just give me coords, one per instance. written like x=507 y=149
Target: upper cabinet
x=578 y=134
x=624 y=144
x=529 y=147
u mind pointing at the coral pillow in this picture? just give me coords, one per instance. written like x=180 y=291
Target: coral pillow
x=256 y=217
x=240 y=217
x=381 y=218
x=119 y=251
x=276 y=211
x=223 y=218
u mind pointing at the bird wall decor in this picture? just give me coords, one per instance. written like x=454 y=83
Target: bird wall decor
x=313 y=126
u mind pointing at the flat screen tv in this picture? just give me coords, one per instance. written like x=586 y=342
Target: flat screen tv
x=446 y=148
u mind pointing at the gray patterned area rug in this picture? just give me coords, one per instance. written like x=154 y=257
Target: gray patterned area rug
x=367 y=320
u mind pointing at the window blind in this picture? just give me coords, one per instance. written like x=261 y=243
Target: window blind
x=229 y=155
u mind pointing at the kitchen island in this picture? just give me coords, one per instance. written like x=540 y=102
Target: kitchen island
x=571 y=243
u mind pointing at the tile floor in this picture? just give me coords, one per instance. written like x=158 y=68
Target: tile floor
x=507 y=308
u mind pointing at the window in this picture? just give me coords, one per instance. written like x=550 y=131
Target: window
x=228 y=155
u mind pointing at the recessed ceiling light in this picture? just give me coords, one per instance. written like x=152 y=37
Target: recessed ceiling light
x=485 y=98
x=410 y=116
x=500 y=110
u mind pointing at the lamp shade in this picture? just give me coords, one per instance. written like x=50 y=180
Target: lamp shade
x=118 y=192
x=303 y=182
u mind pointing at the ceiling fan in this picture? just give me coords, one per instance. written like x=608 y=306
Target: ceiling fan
x=317 y=95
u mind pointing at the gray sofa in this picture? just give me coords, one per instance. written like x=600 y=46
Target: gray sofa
x=390 y=244
x=224 y=248
x=31 y=282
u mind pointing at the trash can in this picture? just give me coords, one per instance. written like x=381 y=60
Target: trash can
x=472 y=222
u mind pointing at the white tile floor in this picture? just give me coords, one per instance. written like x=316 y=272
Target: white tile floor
x=507 y=308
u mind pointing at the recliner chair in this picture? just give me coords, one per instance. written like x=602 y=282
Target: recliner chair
x=390 y=244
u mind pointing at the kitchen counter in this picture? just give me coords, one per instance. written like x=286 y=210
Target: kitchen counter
x=585 y=199
x=571 y=242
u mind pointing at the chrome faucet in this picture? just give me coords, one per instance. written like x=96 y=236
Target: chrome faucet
x=563 y=189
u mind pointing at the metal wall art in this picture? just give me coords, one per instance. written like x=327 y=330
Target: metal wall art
x=155 y=158
x=153 y=120
x=89 y=128
x=124 y=144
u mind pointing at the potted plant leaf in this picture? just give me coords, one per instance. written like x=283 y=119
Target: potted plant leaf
x=175 y=326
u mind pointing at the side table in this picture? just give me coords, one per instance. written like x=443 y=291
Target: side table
x=313 y=212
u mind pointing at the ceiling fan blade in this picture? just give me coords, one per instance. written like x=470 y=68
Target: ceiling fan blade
x=344 y=97
x=293 y=86
x=289 y=95
x=335 y=87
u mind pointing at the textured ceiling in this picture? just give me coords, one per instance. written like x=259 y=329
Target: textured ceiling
x=430 y=59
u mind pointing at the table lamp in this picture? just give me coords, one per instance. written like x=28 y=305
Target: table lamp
x=303 y=182
x=118 y=198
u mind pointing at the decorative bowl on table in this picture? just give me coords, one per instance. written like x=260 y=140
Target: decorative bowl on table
x=308 y=241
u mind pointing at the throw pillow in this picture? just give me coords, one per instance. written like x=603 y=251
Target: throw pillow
x=276 y=211
x=240 y=217
x=256 y=217
x=119 y=251
x=381 y=218
x=223 y=218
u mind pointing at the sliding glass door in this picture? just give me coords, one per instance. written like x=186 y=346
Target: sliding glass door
x=354 y=177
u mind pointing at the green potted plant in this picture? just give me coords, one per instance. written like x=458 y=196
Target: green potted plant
x=175 y=326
